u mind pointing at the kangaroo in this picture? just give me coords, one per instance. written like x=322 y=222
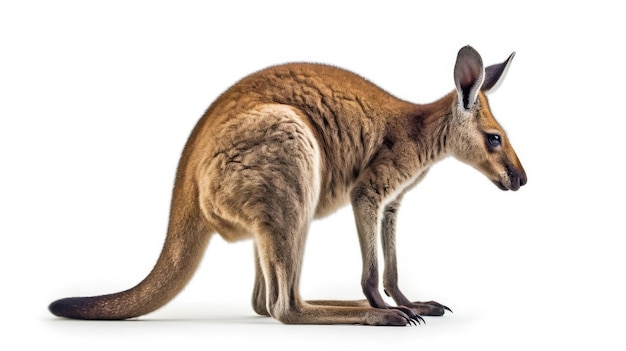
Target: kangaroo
x=293 y=143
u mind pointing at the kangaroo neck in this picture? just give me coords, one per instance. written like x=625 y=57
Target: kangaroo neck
x=427 y=130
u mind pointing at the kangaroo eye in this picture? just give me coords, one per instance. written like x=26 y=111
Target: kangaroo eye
x=494 y=140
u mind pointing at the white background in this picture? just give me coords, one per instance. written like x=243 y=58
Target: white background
x=96 y=103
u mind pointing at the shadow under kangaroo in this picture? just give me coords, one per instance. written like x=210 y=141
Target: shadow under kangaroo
x=295 y=142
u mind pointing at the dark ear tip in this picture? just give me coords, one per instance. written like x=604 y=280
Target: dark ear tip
x=509 y=59
x=467 y=50
x=468 y=53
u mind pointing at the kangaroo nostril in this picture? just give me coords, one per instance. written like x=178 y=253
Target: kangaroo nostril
x=515 y=183
x=522 y=179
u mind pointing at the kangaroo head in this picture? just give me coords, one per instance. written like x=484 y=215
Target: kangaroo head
x=477 y=139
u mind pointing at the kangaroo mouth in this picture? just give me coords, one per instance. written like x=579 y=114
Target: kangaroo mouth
x=500 y=185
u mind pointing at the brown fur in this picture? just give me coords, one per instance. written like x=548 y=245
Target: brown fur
x=295 y=142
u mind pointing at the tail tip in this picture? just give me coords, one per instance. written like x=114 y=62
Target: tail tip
x=61 y=308
x=71 y=307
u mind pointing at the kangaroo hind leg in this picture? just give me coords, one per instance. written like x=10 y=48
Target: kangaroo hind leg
x=280 y=257
x=259 y=301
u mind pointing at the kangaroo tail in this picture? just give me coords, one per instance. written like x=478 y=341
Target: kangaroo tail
x=186 y=241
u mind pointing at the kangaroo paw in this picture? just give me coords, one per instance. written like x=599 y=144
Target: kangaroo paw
x=430 y=308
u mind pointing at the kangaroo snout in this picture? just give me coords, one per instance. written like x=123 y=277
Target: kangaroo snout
x=513 y=179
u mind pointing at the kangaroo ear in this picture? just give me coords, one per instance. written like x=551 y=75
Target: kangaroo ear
x=469 y=75
x=494 y=75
